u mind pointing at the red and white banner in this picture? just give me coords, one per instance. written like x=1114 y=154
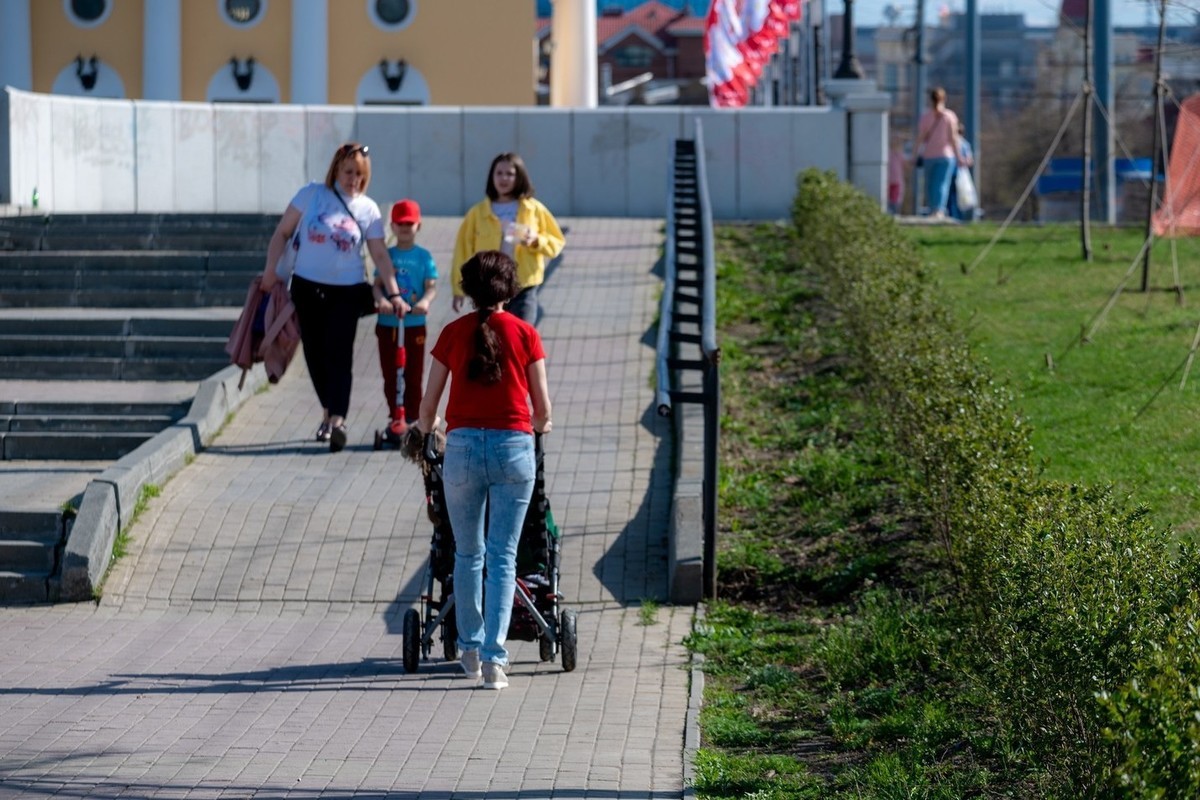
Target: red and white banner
x=740 y=36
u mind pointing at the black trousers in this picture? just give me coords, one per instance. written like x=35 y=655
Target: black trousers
x=328 y=317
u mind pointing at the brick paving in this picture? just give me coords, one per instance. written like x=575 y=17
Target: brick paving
x=248 y=645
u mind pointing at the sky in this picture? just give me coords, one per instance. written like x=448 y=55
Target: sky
x=1037 y=12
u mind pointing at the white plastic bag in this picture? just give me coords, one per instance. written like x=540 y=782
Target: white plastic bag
x=964 y=190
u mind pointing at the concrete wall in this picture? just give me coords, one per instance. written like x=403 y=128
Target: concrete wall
x=86 y=155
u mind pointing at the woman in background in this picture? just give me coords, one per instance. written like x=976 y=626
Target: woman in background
x=510 y=220
x=937 y=147
x=335 y=218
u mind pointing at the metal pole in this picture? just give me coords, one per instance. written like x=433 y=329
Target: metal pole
x=918 y=99
x=1157 y=146
x=849 y=66
x=974 y=71
x=1102 y=34
x=1085 y=228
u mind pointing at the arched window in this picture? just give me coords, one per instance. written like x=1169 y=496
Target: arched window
x=88 y=77
x=243 y=81
x=242 y=13
x=392 y=83
x=87 y=13
x=392 y=15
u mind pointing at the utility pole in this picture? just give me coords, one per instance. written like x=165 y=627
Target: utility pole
x=918 y=98
x=817 y=11
x=1102 y=33
x=1158 y=144
x=1085 y=211
x=971 y=109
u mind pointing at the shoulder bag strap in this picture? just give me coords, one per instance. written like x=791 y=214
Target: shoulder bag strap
x=342 y=200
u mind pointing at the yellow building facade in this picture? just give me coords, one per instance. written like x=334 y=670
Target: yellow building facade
x=340 y=52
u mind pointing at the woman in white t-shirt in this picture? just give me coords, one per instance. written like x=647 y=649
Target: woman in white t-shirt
x=328 y=286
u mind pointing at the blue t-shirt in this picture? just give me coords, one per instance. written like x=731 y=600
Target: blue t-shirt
x=413 y=267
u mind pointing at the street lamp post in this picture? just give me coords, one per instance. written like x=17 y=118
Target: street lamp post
x=849 y=67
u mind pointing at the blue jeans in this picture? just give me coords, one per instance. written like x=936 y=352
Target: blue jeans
x=525 y=305
x=488 y=476
x=939 y=177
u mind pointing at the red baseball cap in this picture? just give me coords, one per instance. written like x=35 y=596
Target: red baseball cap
x=406 y=211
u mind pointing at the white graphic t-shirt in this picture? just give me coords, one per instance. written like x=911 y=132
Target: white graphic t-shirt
x=330 y=240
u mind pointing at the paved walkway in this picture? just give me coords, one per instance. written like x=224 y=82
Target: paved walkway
x=248 y=644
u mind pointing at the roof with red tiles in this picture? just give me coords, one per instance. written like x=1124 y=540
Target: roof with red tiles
x=653 y=19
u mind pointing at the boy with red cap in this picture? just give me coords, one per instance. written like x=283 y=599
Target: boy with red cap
x=402 y=338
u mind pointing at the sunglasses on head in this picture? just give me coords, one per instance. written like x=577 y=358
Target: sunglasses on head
x=362 y=148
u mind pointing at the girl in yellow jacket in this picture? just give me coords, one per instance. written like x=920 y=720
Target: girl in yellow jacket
x=512 y=221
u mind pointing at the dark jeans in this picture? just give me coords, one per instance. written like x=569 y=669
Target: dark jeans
x=525 y=304
x=328 y=317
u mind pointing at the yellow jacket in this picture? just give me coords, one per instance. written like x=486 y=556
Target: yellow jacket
x=480 y=230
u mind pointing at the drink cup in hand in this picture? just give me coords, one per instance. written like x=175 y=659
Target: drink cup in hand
x=515 y=232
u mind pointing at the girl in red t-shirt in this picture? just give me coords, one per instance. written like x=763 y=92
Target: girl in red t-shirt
x=496 y=368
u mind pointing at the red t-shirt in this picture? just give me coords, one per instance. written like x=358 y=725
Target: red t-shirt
x=500 y=406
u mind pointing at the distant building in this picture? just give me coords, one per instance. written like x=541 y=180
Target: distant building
x=441 y=52
x=652 y=52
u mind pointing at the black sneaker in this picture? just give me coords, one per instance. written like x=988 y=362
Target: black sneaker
x=337 y=438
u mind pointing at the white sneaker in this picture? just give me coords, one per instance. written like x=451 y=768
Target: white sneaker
x=470 y=663
x=493 y=676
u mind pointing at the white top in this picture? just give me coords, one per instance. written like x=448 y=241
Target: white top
x=330 y=240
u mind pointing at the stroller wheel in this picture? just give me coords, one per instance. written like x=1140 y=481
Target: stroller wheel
x=450 y=636
x=566 y=635
x=412 y=640
x=545 y=648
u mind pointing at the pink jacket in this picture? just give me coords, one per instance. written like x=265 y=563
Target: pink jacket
x=276 y=343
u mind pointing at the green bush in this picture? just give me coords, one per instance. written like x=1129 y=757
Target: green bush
x=1156 y=715
x=1060 y=593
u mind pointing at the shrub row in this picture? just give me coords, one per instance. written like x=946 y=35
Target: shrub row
x=1077 y=618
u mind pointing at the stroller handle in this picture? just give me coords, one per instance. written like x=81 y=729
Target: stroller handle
x=429 y=450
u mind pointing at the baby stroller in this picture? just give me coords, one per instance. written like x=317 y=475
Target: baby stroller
x=536 y=615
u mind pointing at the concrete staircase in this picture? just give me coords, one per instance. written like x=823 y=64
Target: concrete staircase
x=80 y=431
x=31 y=544
x=141 y=265
x=59 y=344
x=130 y=309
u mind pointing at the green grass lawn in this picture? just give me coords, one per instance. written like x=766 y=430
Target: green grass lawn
x=1108 y=410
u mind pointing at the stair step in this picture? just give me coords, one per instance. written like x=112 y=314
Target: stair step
x=212 y=347
x=23 y=588
x=78 y=423
x=27 y=556
x=114 y=369
x=38 y=298
x=91 y=262
x=217 y=327
x=36 y=525
x=70 y=446
x=96 y=408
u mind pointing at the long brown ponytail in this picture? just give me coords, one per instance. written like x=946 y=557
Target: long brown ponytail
x=489 y=277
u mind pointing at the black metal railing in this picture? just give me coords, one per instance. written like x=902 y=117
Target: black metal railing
x=687 y=337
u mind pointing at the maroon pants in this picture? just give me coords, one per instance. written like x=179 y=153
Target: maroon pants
x=413 y=365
